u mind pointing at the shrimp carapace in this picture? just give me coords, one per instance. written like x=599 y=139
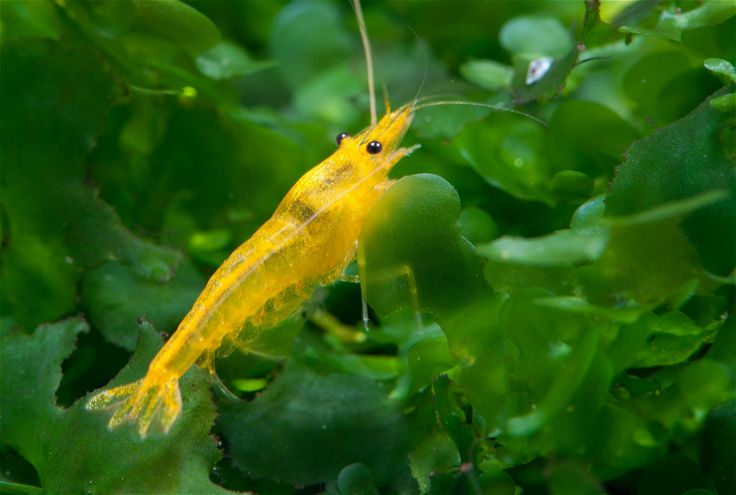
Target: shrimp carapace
x=309 y=240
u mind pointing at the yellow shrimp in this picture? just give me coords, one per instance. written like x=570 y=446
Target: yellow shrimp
x=309 y=240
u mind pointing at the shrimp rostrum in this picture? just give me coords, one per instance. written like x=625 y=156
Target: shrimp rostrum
x=309 y=240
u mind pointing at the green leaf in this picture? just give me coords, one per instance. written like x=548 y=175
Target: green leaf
x=116 y=297
x=722 y=68
x=293 y=40
x=568 y=378
x=652 y=258
x=477 y=226
x=507 y=153
x=725 y=103
x=564 y=248
x=671 y=339
x=176 y=21
x=424 y=355
x=586 y=137
x=355 y=479
x=320 y=423
x=226 y=60
x=326 y=96
x=71 y=448
x=411 y=255
x=436 y=454
x=719 y=455
x=535 y=37
x=645 y=81
x=581 y=306
x=487 y=74
x=672 y=20
x=67 y=226
x=29 y=19
x=651 y=176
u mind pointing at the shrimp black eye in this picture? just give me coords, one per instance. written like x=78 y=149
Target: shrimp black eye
x=374 y=147
x=340 y=137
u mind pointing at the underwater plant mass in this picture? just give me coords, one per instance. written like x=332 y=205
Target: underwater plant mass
x=540 y=299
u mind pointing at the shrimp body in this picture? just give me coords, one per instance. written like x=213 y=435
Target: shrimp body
x=309 y=240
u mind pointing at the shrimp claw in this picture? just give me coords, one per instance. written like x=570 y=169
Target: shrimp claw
x=146 y=402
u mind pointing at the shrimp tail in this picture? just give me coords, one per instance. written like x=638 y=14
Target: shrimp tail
x=145 y=402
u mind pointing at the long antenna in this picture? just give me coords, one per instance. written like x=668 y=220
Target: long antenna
x=368 y=60
x=482 y=105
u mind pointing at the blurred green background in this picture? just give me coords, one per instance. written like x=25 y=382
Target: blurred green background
x=551 y=297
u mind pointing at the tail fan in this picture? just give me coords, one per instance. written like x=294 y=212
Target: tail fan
x=145 y=402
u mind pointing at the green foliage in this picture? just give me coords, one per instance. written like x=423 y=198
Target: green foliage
x=317 y=423
x=552 y=299
x=70 y=448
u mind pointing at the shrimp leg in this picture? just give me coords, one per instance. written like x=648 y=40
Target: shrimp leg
x=402 y=272
x=152 y=399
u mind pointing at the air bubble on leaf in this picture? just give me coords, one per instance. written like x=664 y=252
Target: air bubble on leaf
x=537 y=69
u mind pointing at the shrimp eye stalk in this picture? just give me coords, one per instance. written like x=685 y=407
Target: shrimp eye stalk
x=340 y=137
x=374 y=147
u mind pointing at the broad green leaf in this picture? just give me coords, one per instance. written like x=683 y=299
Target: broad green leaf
x=295 y=43
x=356 y=479
x=66 y=226
x=71 y=448
x=424 y=355
x=477 y=226
x=29 y=19
x=653 y=260
x=226 y=60
x=487 y=74
x=651 y=175
x=507 y=153
x=307 y=426
x=561 y=249
x=727 y=73
x=570 y=365
x=645 y=82
x=624 y=441
x=670 y=339
x=722 y=68
x=436 y=454
x=725 y=103
x=116 y=298
x=587 y=137
x=542 y=373
x=535 y=37
x=577 y=305
x=718 y=452
x=176 y=21
x=620 y=12
x=672 y=20
x=411 y=255
x=326 y=96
